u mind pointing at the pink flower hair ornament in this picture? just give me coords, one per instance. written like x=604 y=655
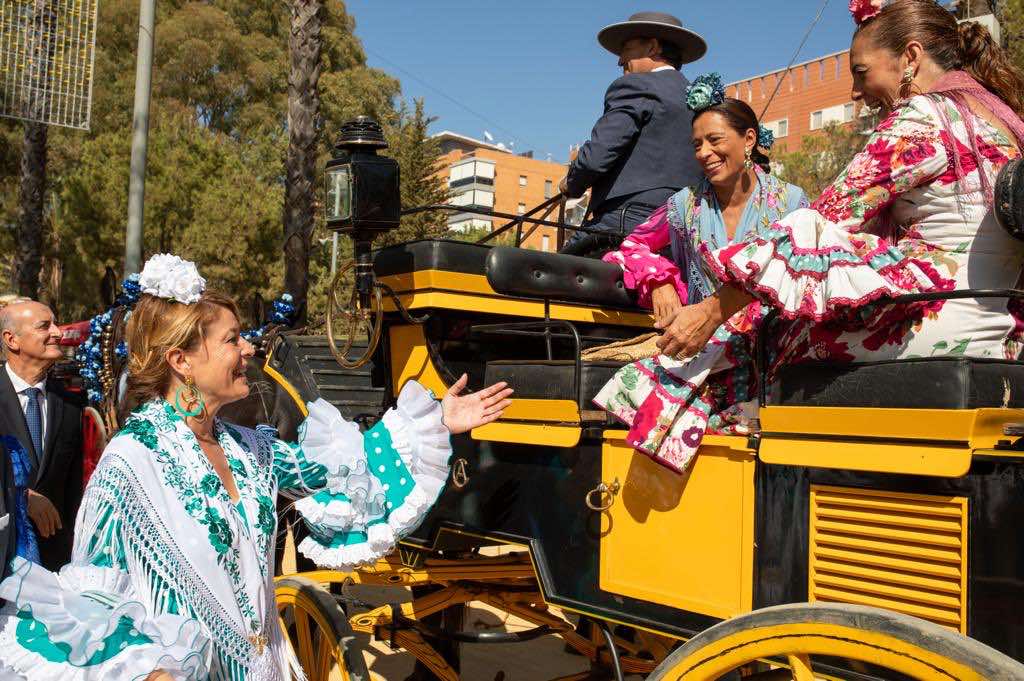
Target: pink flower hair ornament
x=862 y=10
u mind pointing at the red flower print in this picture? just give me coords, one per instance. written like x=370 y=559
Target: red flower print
x=691 y=437
x=824 y=344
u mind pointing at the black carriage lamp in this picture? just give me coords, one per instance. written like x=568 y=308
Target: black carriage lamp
x=362 y=201
x=362 y=197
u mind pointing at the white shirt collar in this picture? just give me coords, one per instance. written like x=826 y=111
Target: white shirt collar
x=20 y=384
x=663 y=68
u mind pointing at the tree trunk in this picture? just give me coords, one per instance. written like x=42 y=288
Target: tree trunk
x=28 y=243
x=303 y=132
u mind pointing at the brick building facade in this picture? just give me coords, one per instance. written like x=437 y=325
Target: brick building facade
x=810 y=96
x=485 y=175
x=817 y=92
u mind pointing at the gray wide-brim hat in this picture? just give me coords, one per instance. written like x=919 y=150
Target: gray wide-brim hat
x=660 y=25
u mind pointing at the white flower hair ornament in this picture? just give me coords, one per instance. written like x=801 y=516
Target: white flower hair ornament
x=168 y=276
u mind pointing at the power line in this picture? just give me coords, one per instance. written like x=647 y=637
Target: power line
x=451 y=99
x=778 y=81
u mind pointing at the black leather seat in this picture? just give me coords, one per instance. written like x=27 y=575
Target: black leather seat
x=551 y=379
x=536 y=274
x=430 y=254
x=924 y=383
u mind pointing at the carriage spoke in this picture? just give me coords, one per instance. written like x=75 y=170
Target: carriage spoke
x=305 y=651
x=801 y=666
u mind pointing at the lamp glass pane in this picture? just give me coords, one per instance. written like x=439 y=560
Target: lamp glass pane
x=338 y=204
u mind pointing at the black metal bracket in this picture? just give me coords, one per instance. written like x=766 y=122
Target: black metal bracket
x=523 y=328
x=406 y=315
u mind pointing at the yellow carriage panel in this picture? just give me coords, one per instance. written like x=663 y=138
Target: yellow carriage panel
x=901 y=552
x=685 y=541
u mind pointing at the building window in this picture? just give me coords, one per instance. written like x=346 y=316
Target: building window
x=779 y=128
x=474 y=198
x=545 y=243
x=548 y=187
x=521 y=208
x=522 y=180
x=471 y=172
x=840 y=113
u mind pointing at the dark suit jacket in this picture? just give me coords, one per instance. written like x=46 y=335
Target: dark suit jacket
x=641 y=142
x=7 y=536
x=59 y=469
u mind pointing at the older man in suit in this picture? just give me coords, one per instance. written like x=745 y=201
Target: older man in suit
x=46 y=420
x=639 y=152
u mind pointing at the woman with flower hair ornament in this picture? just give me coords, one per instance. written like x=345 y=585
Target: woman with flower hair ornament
x=911 y=213
x=736 y=197
x=171 y=574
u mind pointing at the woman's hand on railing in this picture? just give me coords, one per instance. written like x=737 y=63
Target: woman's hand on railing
x=466 y=412
x=666 y=303
x=692 y=326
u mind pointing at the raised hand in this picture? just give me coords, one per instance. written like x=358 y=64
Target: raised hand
x=466 y=412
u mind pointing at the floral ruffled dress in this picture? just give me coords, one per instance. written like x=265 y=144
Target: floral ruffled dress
x=689 y=221
x=169 y=573
x=910 y=213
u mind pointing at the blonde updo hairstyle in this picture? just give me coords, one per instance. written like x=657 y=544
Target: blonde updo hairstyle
x=157 y=326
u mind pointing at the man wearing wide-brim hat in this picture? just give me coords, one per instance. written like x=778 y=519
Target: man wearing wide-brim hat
x=639 y=152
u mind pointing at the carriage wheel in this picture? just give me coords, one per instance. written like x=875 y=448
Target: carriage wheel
x=797 y=635
x=318 y=631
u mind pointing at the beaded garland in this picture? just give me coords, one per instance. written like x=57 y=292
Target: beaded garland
x=89 y=355
x=282 y=313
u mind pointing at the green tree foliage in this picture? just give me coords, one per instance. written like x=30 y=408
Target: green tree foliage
x=820 y=158
x=218 y=136
x=418 y=157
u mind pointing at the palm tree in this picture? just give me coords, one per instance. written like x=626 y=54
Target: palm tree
x=28 y=241
x=304 y=44
x=28 y=255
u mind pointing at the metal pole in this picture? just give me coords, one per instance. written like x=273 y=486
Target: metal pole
x=334 y=253
x=140 y=131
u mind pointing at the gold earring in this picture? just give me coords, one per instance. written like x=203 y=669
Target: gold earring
x=908 y=80
x=747 y=162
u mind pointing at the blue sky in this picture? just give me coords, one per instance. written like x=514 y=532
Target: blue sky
x=532 y=72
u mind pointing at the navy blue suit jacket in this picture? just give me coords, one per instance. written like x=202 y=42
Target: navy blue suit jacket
x=642 y=142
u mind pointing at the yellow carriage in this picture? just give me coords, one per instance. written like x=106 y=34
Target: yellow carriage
x=867 y=530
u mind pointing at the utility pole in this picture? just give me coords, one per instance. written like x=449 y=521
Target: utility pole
x=140 y=133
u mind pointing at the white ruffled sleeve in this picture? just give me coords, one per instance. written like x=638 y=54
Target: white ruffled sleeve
x=375 y=487
x=86 y=623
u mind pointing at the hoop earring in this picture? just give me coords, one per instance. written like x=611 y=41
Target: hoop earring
x=747 y=162
x=192 y=396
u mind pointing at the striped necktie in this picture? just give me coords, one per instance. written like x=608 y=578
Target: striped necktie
x=34 y=419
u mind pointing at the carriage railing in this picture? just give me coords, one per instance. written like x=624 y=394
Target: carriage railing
x=761 y=347
x=517 y=222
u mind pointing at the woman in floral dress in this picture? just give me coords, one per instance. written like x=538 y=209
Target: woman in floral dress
x=912 y=212
x=737 y=197
x=170 y=576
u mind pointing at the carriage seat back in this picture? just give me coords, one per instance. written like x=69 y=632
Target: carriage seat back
x=917 y=383
x=567 y=278
x=430 y=254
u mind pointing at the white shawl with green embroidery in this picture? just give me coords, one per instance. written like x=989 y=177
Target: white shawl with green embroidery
x=169 y=573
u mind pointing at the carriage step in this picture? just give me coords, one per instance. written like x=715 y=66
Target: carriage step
x=346 y=387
